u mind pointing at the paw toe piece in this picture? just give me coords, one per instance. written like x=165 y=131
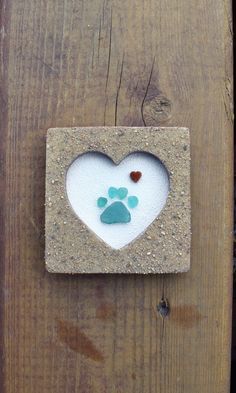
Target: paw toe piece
x=132 y=201
x=101 y=202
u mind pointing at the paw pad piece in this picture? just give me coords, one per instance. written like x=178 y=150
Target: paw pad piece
x=116 y=213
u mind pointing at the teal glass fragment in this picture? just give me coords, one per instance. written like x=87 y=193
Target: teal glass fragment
x=116 y=213
x=101 y=202
x=122 y=192
x=132 y=201
x=112 y=192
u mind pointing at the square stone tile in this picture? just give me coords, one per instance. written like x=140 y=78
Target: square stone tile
x=118 y=200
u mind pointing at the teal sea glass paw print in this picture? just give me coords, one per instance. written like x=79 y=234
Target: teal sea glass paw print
x=117 y=212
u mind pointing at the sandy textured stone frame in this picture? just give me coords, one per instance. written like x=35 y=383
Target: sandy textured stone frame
x=163 y=248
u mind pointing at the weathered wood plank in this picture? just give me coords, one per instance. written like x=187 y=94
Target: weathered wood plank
x=66 y=63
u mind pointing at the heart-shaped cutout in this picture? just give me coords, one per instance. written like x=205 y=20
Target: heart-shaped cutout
x=105 y=198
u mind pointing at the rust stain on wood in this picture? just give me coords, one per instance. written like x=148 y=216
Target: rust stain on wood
x=186 y=316
x=105 y=311
x=72 y=336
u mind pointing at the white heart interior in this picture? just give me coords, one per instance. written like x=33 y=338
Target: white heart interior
x=92 y=174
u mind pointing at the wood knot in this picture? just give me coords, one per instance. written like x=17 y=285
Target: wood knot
x=156 y=110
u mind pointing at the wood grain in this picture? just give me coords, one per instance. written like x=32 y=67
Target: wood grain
x=85 y=63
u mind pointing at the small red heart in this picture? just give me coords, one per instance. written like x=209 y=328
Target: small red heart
x=135 y=176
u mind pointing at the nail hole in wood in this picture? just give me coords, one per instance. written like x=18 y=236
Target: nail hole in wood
x=163 y=307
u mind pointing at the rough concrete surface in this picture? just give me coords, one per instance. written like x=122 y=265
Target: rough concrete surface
x=165 y=245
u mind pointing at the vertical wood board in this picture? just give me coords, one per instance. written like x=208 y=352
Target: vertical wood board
x=94 y=63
